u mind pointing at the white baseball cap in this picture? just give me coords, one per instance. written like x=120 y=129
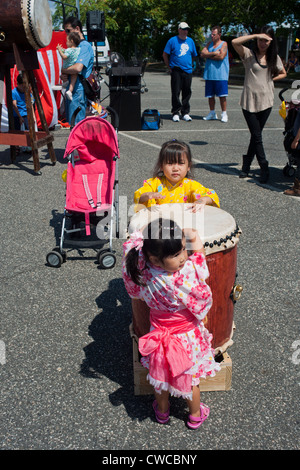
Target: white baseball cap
x=183 y=25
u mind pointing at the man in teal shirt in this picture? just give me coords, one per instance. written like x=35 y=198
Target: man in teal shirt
x=216 y=74
x=83 y=66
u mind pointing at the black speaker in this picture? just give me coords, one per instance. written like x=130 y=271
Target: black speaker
x=127 y=104
x=95 y=26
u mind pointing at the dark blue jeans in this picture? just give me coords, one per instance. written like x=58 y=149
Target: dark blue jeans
x=79 y=100
x=18 y=125
x=256 y=122
x=181 y=82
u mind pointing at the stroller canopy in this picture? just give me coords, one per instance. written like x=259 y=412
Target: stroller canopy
x=93 y=138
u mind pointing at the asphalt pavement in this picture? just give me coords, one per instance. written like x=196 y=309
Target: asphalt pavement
x=66 y=353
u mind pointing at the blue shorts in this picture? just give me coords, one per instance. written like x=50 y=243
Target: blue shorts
x=216 y=88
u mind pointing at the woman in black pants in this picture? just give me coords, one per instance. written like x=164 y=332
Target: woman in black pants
x=262 y=67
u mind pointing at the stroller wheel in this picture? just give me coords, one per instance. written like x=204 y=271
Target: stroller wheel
x=106 y=259
x=288 y=170
x=55 y=259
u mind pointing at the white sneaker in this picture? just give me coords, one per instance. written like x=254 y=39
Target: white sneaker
x=176 y=118
x=187 y=117
x=211 y=115
x=224 y=117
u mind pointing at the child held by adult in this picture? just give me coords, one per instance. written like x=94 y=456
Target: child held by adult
x=70 y=56
x=177 y=351
x=171 y=182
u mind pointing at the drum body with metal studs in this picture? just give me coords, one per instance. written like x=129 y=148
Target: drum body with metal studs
x=219 y=234
x=27 y=23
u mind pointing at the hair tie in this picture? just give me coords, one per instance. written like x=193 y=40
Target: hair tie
x=137 y=239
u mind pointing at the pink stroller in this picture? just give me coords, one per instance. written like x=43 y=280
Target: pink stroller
x=92 y=199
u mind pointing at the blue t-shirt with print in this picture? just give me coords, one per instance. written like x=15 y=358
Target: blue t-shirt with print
x=181 y=52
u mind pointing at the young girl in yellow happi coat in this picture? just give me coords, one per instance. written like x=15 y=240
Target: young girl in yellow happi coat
x=171 y=182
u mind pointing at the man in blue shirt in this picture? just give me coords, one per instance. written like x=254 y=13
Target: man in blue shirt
x=83 y=66
x=178 y=57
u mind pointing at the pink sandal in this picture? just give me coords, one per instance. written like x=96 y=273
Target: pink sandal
x=162 y=418
x=195 y=422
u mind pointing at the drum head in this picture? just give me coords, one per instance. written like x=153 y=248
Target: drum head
x=37 y=21
x=216 y=227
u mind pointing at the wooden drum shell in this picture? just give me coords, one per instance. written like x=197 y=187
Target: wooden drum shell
x=222 y=274
x=26 y=23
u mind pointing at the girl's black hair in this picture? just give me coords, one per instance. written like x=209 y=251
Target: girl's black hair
x=272 y=51
x=172 y=152
x=162 y=238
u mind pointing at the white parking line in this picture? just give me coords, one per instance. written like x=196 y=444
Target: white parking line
x=140 y=140
x=208 y=130
x=209 y=165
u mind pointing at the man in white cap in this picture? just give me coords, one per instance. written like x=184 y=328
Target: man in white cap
x=178 y=57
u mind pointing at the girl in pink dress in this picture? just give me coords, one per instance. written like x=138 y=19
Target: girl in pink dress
x=158 y=269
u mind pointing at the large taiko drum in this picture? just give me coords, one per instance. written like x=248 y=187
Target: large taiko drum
x=27 y=23
x=219 y=234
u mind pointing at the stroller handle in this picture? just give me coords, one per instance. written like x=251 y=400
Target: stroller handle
x=281 y=93
x=116 y=116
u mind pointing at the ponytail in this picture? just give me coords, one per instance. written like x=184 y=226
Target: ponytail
x=132 y=266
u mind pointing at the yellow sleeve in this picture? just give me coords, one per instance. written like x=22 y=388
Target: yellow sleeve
x=197 y=191
x=149 y=185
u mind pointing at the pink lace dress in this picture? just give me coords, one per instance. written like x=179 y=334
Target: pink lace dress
x=177 y=350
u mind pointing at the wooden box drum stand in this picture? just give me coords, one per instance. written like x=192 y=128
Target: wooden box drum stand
x=219 y=235
x=26 y=62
